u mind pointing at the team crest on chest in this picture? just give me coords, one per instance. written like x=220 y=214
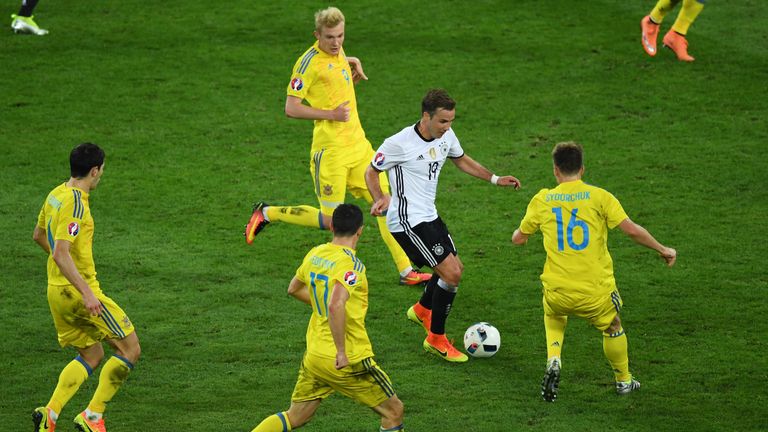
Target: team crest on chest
x=328 y=189
x=73 y=228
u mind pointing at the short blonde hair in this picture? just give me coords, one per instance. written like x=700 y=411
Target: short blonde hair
x=329 y=17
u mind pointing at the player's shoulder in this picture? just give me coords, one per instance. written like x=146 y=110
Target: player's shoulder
x=304 y=61
x=403 y=137
x=351 y=260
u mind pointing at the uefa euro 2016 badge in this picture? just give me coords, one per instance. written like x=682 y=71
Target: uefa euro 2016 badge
x=297 y=84
x=379 y=159
x=350 y=278
x=73 y=229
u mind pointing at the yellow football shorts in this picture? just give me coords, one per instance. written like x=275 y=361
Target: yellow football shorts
x=363 y=382
x=599 y=310
x=76 y=327
x=335 y=170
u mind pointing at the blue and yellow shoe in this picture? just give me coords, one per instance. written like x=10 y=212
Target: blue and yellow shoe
x=42 y=421
x=256 y=223
x=22 y=24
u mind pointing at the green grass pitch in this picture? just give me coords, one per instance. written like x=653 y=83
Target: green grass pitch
x=187 y=99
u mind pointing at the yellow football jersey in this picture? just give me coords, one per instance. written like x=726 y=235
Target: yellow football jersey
x=321 y=269
x=574 y=219
x=325 y=81
x=65 y=215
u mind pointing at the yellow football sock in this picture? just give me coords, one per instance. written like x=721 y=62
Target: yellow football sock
x=662 y=8
x=275 y=423
x=71 y=378
x=615 y=349
x=113 y=375
x=554 y=327
x=303 y=215
x=687 y=15
x=398 y=254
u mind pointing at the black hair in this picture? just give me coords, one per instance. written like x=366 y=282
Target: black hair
x=568 y=157
x=84 y=157
x=346 y=220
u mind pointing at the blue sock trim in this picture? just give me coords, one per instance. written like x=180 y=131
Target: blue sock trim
x=320 y=220
x=396 y=428
x=282 y=419
x=85 y=365
x=124 y=360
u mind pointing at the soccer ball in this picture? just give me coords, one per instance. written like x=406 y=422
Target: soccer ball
x=482 y=340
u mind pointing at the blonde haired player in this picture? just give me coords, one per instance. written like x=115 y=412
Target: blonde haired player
x=324 y=77
x=574 y=219
x=675 y=37
x=82 y=314
x=339 y=356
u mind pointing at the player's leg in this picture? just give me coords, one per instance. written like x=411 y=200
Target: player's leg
x=556 y=307
x=121 y=335
x=391 y=412
x=675 y=38
x=24 y=22
x=297 y=415
x=329 y=184
x=66 y=309
x=449 y=271
x=615 y=345
x=421 y=311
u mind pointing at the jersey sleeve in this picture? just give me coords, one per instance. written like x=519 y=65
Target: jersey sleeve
x=455 y=151
x=41 y=216
x=389 y=154
x=614 y=212
x=301 y=272
x=303 y=76
x=532 y=219
x=70 y=220
x=350 y=274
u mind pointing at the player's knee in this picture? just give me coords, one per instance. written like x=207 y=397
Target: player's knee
x=299 y=418
x=615 y=325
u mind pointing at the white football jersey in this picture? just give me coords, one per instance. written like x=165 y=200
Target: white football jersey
x=413 y=166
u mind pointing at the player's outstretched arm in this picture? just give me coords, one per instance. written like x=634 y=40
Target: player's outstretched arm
x=298 y=290
x=67 y=266
x=641 y=236
x=295 y=109
x=380 y=199
x=357 y=69
x=337 y=319
x=473 y=168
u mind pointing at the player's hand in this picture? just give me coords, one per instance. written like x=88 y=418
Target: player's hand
x=669 y=255
x=357 y=69
x=509 y=181
x=341 y=112
x=341 y=360
x=379 y=208
x=92 y=304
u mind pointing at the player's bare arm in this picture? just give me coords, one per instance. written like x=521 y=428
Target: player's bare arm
x=294 y=108
x=67 y=266
x=519 y=238
x=337 y=319
x=473 y=168
x=298 y=290
x=38 y=235
x=380 y=199
x=641 y=236
x=357 y=69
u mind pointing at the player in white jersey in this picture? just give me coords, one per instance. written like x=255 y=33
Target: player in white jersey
x=413 y=159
